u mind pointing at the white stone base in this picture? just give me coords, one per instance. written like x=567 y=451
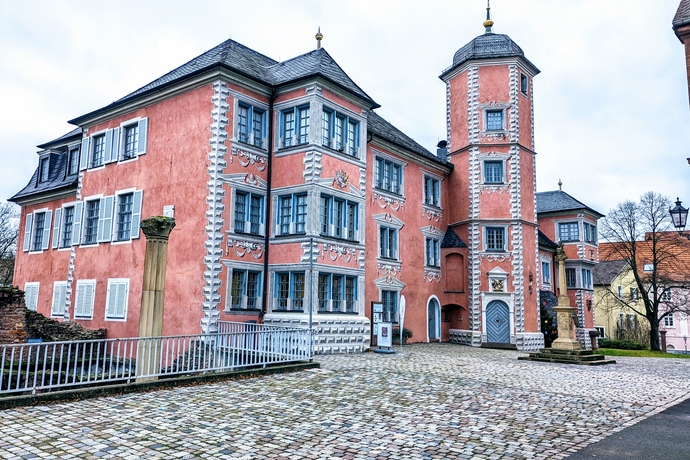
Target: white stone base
x=464 y=337
x=529 y=341
x=333 y=333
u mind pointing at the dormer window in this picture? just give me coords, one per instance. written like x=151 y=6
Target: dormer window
x=73 y=160
x=44 y=169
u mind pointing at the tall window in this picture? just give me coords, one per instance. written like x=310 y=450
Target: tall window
x=244 y=289
x=289 y=291
x=44 y=169
x=495 y=239
x=98 y=151
x=523 y=83
x=83 y=307
x=67 y=223
x=352 y=137
x=39 y=227
x=390 y=306
x=388 y=176
x=493 y=172
x=295 y=126
x=432 y=191
x=494 y=120
x=546 y=272
x=59 y=299
x=131 y=142
x=91 y=222
x=634 y=294
x=350 y=294
x=124 y=216
x=590 y=233
x=326 y=125
x=292 y=214
x=433 y=252
x=303 y=114
x=338 y=217
x=568 y=231
x=248 y=213
x=586 y=278
x=250 y=125
x=570 y=278
x=388 y=243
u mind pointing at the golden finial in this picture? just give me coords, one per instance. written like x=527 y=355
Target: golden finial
x=488 y=23
x=319 y=37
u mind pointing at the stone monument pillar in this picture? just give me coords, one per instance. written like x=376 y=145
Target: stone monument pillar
x=157 y=230
x=565 y=339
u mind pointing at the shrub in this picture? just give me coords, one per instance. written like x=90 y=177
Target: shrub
x=407 y=334
x=621 y=344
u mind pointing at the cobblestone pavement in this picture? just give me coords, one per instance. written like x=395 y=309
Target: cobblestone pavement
x=429 y=402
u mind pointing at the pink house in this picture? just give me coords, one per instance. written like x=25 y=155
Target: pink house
x=292 y=194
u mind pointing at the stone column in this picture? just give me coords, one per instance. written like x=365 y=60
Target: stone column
x=157 y=230
x=565 y=339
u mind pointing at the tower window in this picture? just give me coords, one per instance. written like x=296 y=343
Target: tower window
x=523 y=83
x=494 y=120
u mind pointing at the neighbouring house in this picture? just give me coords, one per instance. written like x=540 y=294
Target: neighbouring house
x=292 y=194
x=618 y=295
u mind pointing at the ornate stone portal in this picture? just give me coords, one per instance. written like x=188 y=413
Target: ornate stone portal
x=565 y=312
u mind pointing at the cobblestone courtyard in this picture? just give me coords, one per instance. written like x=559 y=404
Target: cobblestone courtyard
x=429 y=402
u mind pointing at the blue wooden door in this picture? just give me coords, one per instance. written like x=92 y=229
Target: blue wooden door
x=497 y=322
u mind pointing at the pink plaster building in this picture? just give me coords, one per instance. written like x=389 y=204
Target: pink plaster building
x=292 y=194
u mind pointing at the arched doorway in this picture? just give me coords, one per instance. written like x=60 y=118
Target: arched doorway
x=434 y=317
x=497 y=322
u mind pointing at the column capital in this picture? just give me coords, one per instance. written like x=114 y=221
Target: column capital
x=157 y=227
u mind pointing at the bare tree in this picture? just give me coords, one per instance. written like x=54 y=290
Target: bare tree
x=9 y=228
x=641 y=234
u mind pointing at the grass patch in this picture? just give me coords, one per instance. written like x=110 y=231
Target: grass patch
x=641 y=353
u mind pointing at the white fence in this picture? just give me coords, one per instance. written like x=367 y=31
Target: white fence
x=36 y=367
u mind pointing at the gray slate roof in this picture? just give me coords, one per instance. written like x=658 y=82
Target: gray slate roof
x=546 y=241
x=452 y=240
x=377 y=126
x=59 y=177
x=488 y=46
x=254 y=65
x=558 y=200
x=682 y=16
x=57 y=180
x=606 y=271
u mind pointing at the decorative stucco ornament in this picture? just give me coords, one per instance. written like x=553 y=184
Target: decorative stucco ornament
x=341 y=178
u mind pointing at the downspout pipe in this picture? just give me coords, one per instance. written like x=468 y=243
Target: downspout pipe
x=269 y=202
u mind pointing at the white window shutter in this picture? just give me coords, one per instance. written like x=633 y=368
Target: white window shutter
x=84 y=154
x=79 y=307
x=88 y=299
x=143 y=135
x=31 y=296
x=105 y=219
x=115 y=151
x=76 y=223
x=56 y=228
x=59 y=294
x=27 y=232
x=46 y=231
x=112 y=299
x=137 y=199
x=108 y=155
x=121 y=300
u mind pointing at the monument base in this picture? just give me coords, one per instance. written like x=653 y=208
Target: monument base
x=582 y=357
x=566 y=344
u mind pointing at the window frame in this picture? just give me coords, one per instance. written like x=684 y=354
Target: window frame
x=586 y=278
x=341 y=137
x=590 y=233
x=488 y=244
x=132 y=154
x=488 y=123
x=343 y=227
x=524 y=84
x=88 y=220
x=332 y=285
x=432 y=252
x=488 y=172
x=44 y=169
x=669 y=321
x=545 y=272
x=63 y=227
x=389 y=175
x=90 y=307
x=391 y=307
x=73 y=160
x=296 y=279
x=30 y=286
x=293 y=222
x=571 y=278
x=242 y=291
x=389 y=243
x=109 y=316
x=569 y=226
x=432 y=191
x=93 y=146
x=300 y=133
x=37 y=234
x=116 y=232
x=253 y=114
x=247 y=213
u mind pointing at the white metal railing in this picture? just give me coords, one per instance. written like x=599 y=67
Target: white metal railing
x=36 y=367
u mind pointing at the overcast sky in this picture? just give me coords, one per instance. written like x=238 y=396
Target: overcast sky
x=611 y=104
